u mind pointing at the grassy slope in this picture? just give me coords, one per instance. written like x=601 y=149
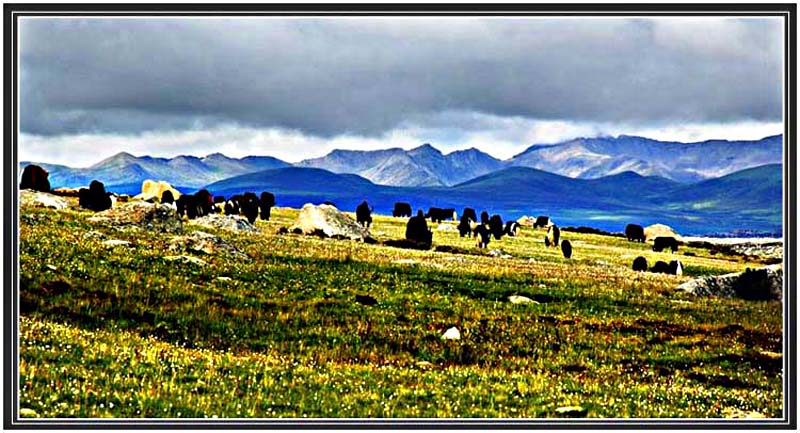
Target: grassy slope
x=131 y=334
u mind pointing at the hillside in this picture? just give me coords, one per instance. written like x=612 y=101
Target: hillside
x=607 y=203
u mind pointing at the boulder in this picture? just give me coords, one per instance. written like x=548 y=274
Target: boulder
x=203 y=243
x=447 y=228
x=226 y=222
x=327 y=221
x=517 y=299
x=153 y=189
x=756 y=284
x=452 y=334
x=31 y=198
x=526 y=221
x=142 y=215
x=653 y=231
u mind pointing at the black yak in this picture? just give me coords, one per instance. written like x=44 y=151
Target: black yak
x=566 y=249
x=417 y=230
x=662 y=242
x=438 y=215
x=496 y=226
x=401 y=209
x=464 y=226
x=634 y=232
x=95 y=198
x=485 y=218
x=265 y=204
x=640 y=264
x=660 y=267
x=205 y=202
x=167 y=197
x=485 y=235
x=250 y=206
x=675 y=268
x=541 y=221
x=470 y=214
x=364 y=214
x=35 y=178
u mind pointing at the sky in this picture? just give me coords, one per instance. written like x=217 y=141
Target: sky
x=298 y=88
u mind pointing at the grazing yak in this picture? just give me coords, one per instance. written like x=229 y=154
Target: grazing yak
x=674 y=267
x=265 y=204
x=401 y=209
x=566 y=249
x=95 y=198
x=512 y=228
x=496 y=226
x=417 y=230
x=640 y=264
x=35 y=178
x=485 y=235
x=250 y=206
x=438 y=215
x=187 y=205
x=464 y=226
x=634 y=232
x=551 y=238
x=541 y=221
x=485 y=218
x=205 y=202
x=663 y=242
x=233 y=205
x=469 y=213
x=364 y=214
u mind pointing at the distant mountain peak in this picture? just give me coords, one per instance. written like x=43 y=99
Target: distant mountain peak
x=426 y=147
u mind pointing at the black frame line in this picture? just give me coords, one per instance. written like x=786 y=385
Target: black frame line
x=12 y=13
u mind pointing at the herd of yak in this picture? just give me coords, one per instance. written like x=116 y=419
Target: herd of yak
x=417 y=232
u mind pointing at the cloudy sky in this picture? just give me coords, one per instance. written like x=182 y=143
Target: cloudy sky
x=298 y=88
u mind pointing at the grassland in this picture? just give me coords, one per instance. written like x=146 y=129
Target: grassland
x=122 y=332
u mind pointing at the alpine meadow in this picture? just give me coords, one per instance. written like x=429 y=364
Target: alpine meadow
x=359 y=220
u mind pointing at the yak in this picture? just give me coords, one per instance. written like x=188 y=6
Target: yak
x=401 y=209
x=663 y=242
x=634 y=232
x=438 y=215
x=640 y=264
x=364 y=214
x=265 y=204
x=35 y=178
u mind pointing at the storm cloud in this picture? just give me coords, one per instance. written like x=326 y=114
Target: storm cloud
x=366 y=77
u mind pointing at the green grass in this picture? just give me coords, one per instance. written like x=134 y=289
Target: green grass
x=122 y=332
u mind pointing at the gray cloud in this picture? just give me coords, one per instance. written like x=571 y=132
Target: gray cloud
x=368 y=76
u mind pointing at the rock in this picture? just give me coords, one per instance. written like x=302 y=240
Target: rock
x=447 y=228
x=94 y=234
x=186 y=259
x=327 y=221
x=204 y=243
x=573 y=411
x=757 y=284
x=526 y=221
x=452 y=334
x=653 y=231
x=498 y=253
x=51 y=267
x=223 y=278
x=153 y=189
x=516 y=299
x=31 y=198
x=116 y=243
x=226 y=222
x=143 y=215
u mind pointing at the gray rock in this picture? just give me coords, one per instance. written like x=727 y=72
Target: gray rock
x=116 y=243
x=452 y=334
x=226 y=222
x=31 y=198
x=517 y=299
x=757 y=284
x=327 y=221
x=141 y=215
